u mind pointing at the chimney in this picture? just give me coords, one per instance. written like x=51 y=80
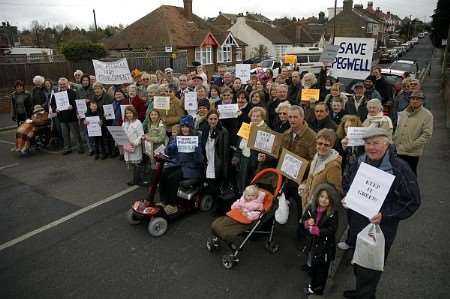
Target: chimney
x=370 y=6
x=348 y=5
x=187 y=9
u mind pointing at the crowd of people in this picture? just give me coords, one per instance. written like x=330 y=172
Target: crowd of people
x=400 y=125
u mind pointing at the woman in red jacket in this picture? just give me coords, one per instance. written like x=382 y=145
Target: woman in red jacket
x=137 y=102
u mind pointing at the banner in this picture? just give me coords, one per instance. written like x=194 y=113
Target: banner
x=113 y=72
x=354 y=57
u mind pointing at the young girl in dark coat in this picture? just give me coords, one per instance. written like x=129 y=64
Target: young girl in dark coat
x=320 y=221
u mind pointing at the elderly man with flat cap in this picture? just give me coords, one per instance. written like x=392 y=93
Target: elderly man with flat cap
x=414 y=130
x=402 y=200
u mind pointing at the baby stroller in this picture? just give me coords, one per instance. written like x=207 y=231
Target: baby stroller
x=271 y=190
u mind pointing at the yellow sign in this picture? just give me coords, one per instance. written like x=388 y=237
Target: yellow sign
x=244 y=131
x=290 y=59
x=310 y=94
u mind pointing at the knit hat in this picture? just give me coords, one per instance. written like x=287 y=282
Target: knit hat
x=187 y=121
x=204 y=103
x=37 y=108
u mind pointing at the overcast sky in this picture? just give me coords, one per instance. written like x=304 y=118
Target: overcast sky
x=79 y=12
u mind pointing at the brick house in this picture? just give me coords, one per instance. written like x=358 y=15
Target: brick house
x=179 y=28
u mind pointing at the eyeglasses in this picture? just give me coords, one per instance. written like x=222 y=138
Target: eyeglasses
x=323 y=144
x=282 y=113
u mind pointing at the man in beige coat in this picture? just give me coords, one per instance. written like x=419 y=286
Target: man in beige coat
x=414 y=130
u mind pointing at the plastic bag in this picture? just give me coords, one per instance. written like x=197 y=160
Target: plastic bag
x=148 y=148
x=282 y=212
x=369 y=249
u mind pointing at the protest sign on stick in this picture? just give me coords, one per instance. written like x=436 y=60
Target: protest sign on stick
x=112 y=72
x=368 y=190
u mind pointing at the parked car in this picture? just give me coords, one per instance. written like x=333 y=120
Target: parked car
x=421 y=35
x=388 y=56
x=400 y=67
x=400 y=50
x=272 y=64
x=407 y=46
x=255 y=60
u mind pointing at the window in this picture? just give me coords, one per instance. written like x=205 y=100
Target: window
x=204 y=55
x=280 y=50
x=238 y=54
x=369 y=27
x=224 y=54
x=314 y=58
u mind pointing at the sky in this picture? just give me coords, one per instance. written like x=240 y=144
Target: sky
x=114 y=12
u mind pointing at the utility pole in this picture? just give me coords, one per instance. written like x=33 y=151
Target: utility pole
x=409 y=27
x=334 y=21
x=95 y=21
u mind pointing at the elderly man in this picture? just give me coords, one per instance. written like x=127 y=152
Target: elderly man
x=322 y=118
x=228 y=80
x=170 y=78
x=68 y=119
x=414 y=130
x=184 y=88
x=402 y=200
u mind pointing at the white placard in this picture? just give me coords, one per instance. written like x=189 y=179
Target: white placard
x=228 y=111
x=108 y=111
x=264 y=141
x=119 y=135
x=187 y=144
x=62 y=100
x=190 y=101
x=93 y=126
x=355 y=135
x=242 y=71
x=291 y=165
x=81 y=108
x=162 y=103
x=122 y=111
x=354 y=57
x=113 y=72
x=368 y=190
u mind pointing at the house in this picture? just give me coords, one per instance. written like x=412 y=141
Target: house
x=352 y=22
x=305 y=33
x=179 y=28
x=256 y=33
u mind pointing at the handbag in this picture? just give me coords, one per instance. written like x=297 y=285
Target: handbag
x=129 y=148
x=369 y=249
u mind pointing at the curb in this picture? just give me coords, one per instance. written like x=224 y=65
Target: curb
x=7 y=128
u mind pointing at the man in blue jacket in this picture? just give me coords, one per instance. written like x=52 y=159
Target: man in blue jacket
x=402 y=200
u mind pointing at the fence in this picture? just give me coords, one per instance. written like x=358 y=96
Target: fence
x=56 y=67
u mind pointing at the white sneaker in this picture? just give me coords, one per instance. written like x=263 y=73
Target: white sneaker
x=343 y=246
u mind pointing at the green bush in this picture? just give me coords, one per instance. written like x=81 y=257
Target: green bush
x=79 y=51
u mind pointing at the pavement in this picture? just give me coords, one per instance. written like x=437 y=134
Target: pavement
x=5 y=122
x=419 y=260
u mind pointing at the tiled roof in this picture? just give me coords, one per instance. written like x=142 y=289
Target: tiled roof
x=309 y=33
x=268 y=32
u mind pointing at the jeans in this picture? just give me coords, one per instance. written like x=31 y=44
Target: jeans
x=71 y=132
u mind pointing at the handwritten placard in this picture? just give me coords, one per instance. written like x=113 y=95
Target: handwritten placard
x=264 y=140
x=162 y=103
x=62 y=100
x=244 y=131
x=310 y=94
x=228 y=111
x=190 y=101
x=187 y=144
x=112 y=72
x=355 y=135
x=93 y=126
x=108 y=112
x=292 y=166
x=81 y=107
x=242 y=71
x=368 y=190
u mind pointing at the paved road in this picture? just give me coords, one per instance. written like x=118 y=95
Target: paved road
x=419 y=261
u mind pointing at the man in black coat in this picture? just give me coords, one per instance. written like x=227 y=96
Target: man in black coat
x=68 y=119
x=295 y=88
x=322 y=118
x=383 y=87
x=402 y=200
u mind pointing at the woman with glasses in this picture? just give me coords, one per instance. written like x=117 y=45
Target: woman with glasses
x=324 y=168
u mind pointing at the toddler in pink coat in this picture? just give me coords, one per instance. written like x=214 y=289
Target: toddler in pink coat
x=250 y=203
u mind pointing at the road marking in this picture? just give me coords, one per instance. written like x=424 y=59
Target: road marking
x=9 y=166
x=65 y=218
x=7 y=142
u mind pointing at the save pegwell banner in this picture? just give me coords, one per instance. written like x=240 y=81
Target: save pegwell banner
x=354 y=57
x=113 y=72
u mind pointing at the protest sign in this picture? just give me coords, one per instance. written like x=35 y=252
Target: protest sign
x=290 y=59
x=93 y=126
x=368 y=190
x=244 y=131
x=108 y=112
x=112 y=72
x=310 y=94
x=329 y=54
x=354 y=57
x=81 y=108
x=119 y=135
x=187 y=144
x=190 y=101
x=62 y=100
x=228 y=111
x=264 y=140
x=292 y=166
x=242 y=71
x=355 y=135
x=162 y=103
x=159 y=150
x=122 y=111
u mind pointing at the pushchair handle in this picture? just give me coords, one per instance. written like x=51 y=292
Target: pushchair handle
x=266 y=171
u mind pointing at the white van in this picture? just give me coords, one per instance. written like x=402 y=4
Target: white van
x=307 y=58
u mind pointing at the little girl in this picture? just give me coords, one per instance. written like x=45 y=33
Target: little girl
x=133 y=150
x=156 y=133
x=320 y=221
x=243 y=212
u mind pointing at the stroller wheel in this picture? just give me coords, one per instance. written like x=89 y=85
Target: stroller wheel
x=272 y=248
x=131 y=219
x=229 y=260
x=157 y=227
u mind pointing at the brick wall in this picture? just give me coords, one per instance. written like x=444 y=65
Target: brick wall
x=348 y=24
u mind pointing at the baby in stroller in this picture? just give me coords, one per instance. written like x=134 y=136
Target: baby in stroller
x=243 y=213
